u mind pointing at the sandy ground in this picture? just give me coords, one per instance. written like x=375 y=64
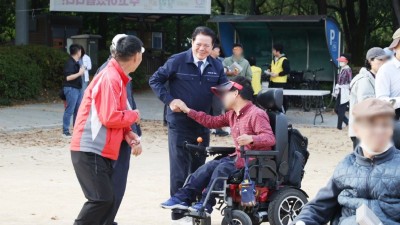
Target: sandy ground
x=38 y=184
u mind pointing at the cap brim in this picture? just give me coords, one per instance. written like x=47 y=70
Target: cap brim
x=382 y=57
x=143 y=50
x=394 y=43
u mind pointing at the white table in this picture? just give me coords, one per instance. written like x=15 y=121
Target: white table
x=319 y=94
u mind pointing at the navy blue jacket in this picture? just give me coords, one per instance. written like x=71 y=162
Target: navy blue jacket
x=358 y=180
x=188 y=84
x=135 y=127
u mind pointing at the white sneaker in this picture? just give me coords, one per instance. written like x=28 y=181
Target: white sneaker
x=183 y=221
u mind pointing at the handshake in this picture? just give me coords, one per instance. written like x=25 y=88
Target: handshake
x=178 y=105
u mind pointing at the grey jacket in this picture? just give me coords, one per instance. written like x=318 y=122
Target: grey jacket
x=361 y=87
x=358 y=180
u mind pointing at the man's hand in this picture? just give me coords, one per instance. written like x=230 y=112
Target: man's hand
x=138 y=113
x=183 y=107
x=137 y=150
x=174 y=105
x=245 y=139
x=81 y=71
x=273 y=74
x=132 y=139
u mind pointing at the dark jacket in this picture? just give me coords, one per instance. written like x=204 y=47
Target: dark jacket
x=358 y=180
x=135 y=127
x=186 y=83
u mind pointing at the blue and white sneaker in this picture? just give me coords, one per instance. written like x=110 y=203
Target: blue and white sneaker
x=197 y=207
x=174 y=203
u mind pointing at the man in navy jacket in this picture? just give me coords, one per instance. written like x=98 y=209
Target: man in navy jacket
x=190 y=75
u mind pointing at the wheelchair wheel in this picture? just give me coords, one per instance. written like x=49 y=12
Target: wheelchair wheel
x=197 y=221
x=238 y=218
x=285 y=206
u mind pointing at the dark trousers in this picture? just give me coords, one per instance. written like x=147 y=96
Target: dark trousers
x=200 y=181
x=120 y=175
x=355 y=142
x=182 y=162
x=94 y=175
x=285 y=98
x=340 y=110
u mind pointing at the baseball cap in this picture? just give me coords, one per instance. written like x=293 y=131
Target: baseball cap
x=225 y=87
x=116 y=39
x=342 y=59
x=396 y=39
x=373 y=107
x=376 y=53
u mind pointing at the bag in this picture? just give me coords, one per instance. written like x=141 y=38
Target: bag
x=298 y=156
x=247 y=188
x=62 y=95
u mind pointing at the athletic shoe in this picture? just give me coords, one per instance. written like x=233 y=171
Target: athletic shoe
x=174 y=203
x=67 y=135
x=197 y=207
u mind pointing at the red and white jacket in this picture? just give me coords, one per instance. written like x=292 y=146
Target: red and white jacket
x=104 y=115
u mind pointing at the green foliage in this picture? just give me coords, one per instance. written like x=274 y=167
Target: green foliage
x=139 y=79
x=25 y=71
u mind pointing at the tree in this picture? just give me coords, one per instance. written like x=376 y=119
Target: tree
x=396 y=11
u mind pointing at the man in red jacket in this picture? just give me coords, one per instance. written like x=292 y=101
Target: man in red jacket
x=104 y=120
x=250 y=128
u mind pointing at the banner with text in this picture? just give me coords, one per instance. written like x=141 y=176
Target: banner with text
x=133 y=6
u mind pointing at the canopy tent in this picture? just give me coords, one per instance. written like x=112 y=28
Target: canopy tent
x=310 y=42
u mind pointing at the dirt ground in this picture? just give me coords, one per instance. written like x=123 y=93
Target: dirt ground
x=38 y=184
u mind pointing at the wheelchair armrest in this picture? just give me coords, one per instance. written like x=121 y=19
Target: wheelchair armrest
x=195 y=148
x=220 y=150
x=250 y=153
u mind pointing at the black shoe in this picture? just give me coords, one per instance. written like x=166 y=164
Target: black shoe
x=66 y=135
x=221 y=133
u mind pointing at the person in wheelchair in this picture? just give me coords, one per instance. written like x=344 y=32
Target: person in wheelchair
x=250 y=128
x=370 y=175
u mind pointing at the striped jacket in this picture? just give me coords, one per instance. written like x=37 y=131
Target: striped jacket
x=104 y=115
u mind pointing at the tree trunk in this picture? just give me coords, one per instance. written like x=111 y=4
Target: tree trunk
x=103 y=30
x=253 y=7
x=357 y=30
x=396 y=11
x=322 y=7
x=221 y=6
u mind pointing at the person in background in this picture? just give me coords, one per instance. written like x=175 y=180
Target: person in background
x=216 y=53
x=121 y=165
x=86 y=63
x=369 y=175
x=256 y=78
x=190 y=75
x=237 y=57
x=217 y=106
x=279 y=71
x=72 y=87
x=250 y=128
x=387 y=82
x=104 y=121
x=342 y=91
x=363 y=85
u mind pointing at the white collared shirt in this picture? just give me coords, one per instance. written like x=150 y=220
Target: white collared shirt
x=387 y=83
x=196 y=60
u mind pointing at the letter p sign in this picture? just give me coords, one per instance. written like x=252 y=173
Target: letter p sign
x=332 y=37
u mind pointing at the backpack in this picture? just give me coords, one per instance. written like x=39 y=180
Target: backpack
x=298 y=156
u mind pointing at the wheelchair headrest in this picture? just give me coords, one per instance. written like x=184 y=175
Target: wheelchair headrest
x=271 y=99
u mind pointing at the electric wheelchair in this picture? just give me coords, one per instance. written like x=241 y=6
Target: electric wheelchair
x=277 y=175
